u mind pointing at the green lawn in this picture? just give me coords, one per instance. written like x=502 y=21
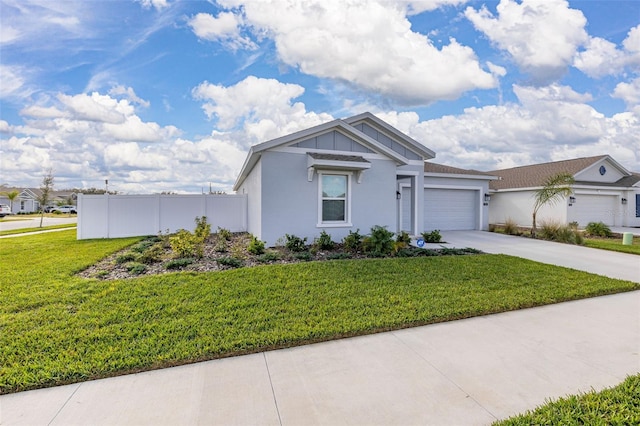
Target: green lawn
x=44 y=228
x=614 y=244
x=56 y=328
x=619 y=405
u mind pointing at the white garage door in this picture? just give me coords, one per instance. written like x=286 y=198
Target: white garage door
x=594 y=208
x=450 y=209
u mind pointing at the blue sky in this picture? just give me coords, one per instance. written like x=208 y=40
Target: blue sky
x=163 y=95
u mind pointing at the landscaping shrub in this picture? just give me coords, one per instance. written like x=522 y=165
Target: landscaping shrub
x=230 y=261
x=379 y=243
x=432 y=237
x=353 y=242
x=224 y=234
x=324 y=242
x=136 y=268
x=255 y=246
x=125 y=257
x=338 y=256
x=142 y=246
x=597 y=229
x=511 y=227
x=294 y=243
x=203 y=229
x=268 y=257
x=152 y=254
x=555 y=231
x=302 y=255
x=179 y=263
x=403 y=237
x=186 y=244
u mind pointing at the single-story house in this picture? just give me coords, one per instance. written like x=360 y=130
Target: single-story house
x=352 y=174
x=604 y=191
x=27 y=200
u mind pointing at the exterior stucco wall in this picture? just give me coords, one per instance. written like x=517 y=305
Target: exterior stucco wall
x=290 y=202
x=253 y=189
x=518 y=206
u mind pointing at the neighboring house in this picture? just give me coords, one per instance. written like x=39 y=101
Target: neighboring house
x=604 y=191
x=352 y=174
x=27 y=200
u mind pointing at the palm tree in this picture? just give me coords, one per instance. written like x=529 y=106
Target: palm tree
x=556 y=188
x=12 y=196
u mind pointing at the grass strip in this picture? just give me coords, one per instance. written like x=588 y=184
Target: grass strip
x=614 y=245
x=619 y=405
x=36 y=229
x=56 y=328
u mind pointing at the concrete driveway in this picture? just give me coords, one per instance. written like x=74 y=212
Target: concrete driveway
x=608 y=263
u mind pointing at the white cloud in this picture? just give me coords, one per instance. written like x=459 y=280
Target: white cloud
x=12 y=81
x=415 y=7
x=130 y=94
x=602 y=57
x=541 y=36
x=224 y=28
x=8 y=34
x=379 y=54
x=96 y=107
x=547 y=124
x=262 y=106
x=5 y=127
x=157 y=4
x=628 y=92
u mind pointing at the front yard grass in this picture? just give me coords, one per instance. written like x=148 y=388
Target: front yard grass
x=619 y=405
x=614 y=244
x=57 y=328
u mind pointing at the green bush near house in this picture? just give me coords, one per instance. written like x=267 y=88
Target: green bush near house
x=597 y=229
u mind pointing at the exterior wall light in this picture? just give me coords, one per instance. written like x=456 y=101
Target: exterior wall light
x=398 y=195
x=624 y=201
x=572 y=200
x=487 y=198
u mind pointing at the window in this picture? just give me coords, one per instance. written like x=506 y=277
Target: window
x=334 y=199
x=637 y=205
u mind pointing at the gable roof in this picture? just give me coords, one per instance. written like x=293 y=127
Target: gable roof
x=342 y=125
x=535 y=175
x=434 y=168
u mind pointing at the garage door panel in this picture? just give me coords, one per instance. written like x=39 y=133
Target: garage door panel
x=594 y=208
x=450 y=209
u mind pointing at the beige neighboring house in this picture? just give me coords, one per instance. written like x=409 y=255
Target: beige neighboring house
x=604 y=191
x=27 y=200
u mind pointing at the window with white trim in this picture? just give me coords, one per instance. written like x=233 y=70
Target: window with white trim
x=334 y=198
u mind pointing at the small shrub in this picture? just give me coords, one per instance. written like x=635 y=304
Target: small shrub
x=255 y=246
x=353 y=242
x=408 y=252
x=379 y=243
x=230 y=261
x=142 y=246
x=597 y=229
x=574 y=224
x=136 y=268
x=179 y=263
x=268 y=257
x=152 y=254
x=238 y=249
x=186 y=244
x=203 y=229
x=126 y=257
x=339 y=255
x=555 y=231
x=403 y=237
x=220 y=245
x=302 y=255
x=225 y=234
x=102 y=274
x=294 y=243
x=324 y=242
x=511 y=227
x=432 y=237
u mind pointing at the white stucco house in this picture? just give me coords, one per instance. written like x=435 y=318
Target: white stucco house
x=351 y=174
x=604 y=191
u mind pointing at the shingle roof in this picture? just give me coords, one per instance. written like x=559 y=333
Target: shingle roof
x=441 y=168
x=535 y=175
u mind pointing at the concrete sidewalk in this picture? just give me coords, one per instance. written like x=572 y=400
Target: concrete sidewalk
x=468 y=372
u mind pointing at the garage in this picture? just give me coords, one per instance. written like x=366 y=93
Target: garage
x=594 y=208
x=450 y=209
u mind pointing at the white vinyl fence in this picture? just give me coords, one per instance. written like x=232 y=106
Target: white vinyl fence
x=116 y=216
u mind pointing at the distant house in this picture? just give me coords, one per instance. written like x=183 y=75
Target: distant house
x=352 y=174
x=27 y=200
x=604 y=191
